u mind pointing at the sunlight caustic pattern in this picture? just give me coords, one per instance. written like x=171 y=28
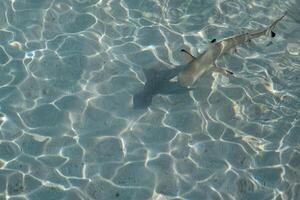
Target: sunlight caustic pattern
x=69 y=70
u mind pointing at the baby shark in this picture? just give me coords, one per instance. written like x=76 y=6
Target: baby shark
x=159 y=82
x=197 y=66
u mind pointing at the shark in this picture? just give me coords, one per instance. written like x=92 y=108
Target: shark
x=160 y=81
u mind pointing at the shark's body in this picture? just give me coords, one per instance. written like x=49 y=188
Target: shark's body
x=158 y=82
x=188 y=76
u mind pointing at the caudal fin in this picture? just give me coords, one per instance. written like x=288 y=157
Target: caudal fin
x=271 y=27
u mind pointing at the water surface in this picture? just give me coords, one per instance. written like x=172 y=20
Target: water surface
x=69 y=70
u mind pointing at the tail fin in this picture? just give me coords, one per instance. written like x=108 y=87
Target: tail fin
x=271 y=27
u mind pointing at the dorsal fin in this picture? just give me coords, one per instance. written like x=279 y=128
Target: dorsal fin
x=213 y=40
x=149 y=73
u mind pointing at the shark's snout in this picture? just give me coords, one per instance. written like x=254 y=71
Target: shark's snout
x=185 y=79
x=141 y=100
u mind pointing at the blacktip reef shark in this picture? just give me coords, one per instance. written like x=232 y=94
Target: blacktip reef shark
x=194 y=69
x=159 y=82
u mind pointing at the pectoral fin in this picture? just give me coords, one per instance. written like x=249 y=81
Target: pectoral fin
x=223 y=71
x=188 y=53
x=228 y=72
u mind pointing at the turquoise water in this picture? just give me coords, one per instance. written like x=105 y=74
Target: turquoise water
x=68 y=73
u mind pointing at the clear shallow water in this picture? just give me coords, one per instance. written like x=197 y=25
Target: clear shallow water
x=69 y=70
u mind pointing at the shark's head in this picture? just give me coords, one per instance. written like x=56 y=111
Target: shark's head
x=185 y=79
x=142 y=100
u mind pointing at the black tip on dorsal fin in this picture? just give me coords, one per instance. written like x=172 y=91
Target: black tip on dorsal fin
x=213 y=40
x=273 y=34
x=149 y=73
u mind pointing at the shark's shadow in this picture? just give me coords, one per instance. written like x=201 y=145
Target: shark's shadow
x=158 y=82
